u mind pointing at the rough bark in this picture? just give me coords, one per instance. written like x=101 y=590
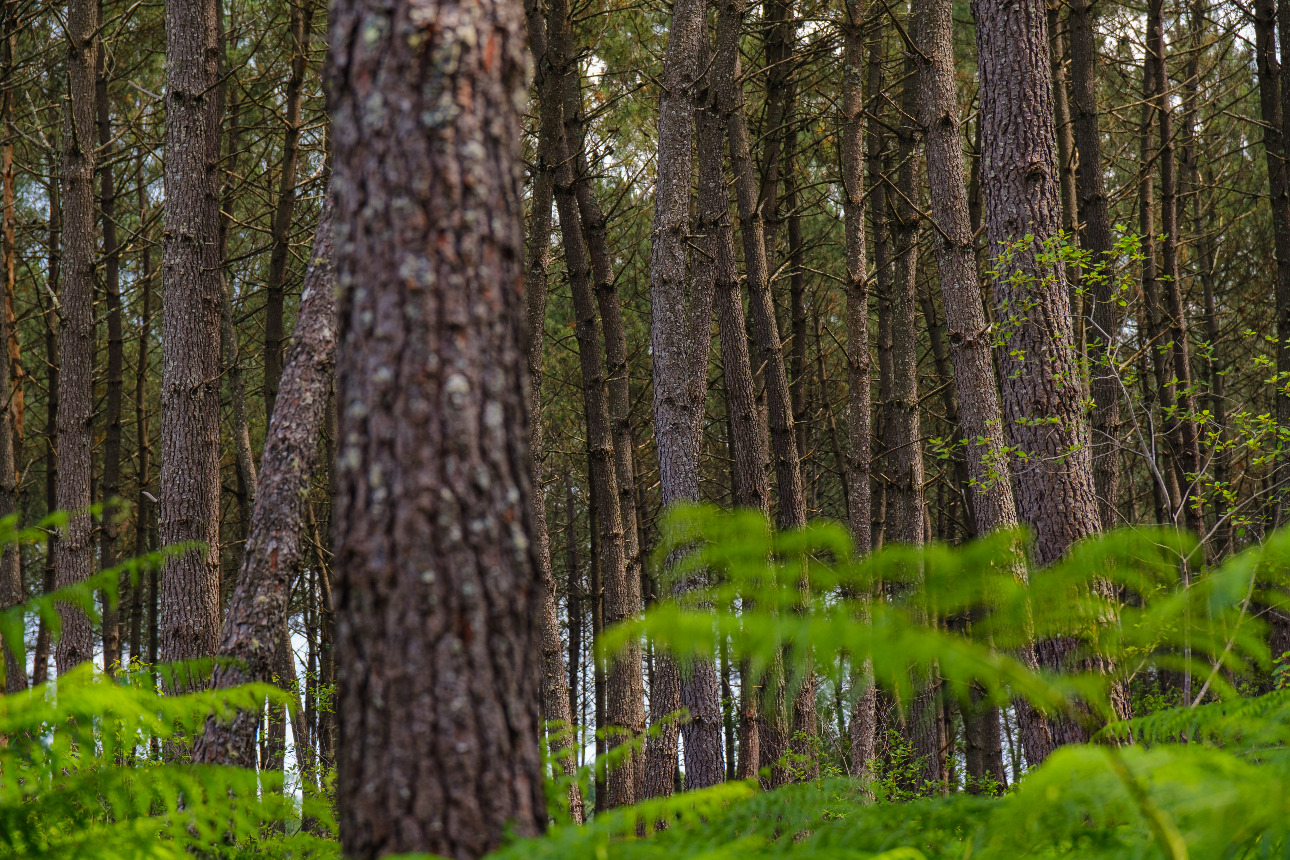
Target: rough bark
x=680 y=336
x=859 y=467
x=111 y=486
x=74 y=554
x=980 y=412
x=143 y=505
x=749 y=445
x=624 y=697
x=1103 y=309
x=193 y=289
x=1281 y=231
x=54 y=257
x=12 y=591
x=257 y=612
x=1054 y=479
x=556 y=698
x=438 y=593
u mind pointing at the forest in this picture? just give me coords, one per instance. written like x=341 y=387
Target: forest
x=616 y=429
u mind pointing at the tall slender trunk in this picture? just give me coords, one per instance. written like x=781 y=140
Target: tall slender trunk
x=859 y=465
x=40 y=658
x=1054 y=484
x=190 y=337
x=438 y=589
x=1152 y=308
x=767 y=355
x=1281 y=231
x=903 y=428
x=611 y=316
x=556 y=707
x=143 y=477
x=12 y=591
x=301 y=17
x=111 y=488
x=680 y=336
x=624 y=695
x=74 y=556
x=8 y=230
x=1103 y=303
x=980 y=412
x=1041 y=389
x=748 y=434
x=255 y=628
x=876 y=157
x=1182 y=420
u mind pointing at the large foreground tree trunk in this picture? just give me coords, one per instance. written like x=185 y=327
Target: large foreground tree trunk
x=438 y=595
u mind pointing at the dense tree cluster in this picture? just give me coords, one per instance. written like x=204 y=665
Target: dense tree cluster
x=407 y=323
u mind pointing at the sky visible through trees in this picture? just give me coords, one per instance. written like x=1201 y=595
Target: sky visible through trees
x=601 y=419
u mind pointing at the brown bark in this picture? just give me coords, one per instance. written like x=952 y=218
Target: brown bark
x=143 y=477
x=876 y=157
x=275 y=288
x=12 y=591
x=1182 y=421
x=556 y=706
x=1054 y=481
x=980 y=412
x=191 y=282
x=624 y=695
x=859 y=467
x=1281 y=230
x=111 y=487
x=8 y=33
x=1103 y=314
x=680 y=335
x=749 y=445
x=257 y=613
x=767 y=353
x=40 y=656
x=438 y=592
x=74 y=555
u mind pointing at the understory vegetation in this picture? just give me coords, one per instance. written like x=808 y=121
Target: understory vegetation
x=94 y=764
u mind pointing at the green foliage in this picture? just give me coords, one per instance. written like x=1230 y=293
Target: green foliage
x=92 y=765
x=1206 y=780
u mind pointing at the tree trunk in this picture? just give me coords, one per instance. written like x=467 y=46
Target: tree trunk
x=859 y=466
x=556 y=706
x=1041 y=387
x=111 y=489
x=143 y=477
x=74 y=556
x=748 y=434
x=12 y=591
x=40 y=657
x=680 y=336
x=624 y=695
x=192 y=284
x=275 y=293
x=1102 y=300
x=980 y=412
x=257 y=613
x=1182 y=420
x=1281 y=230
x=438 y=590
